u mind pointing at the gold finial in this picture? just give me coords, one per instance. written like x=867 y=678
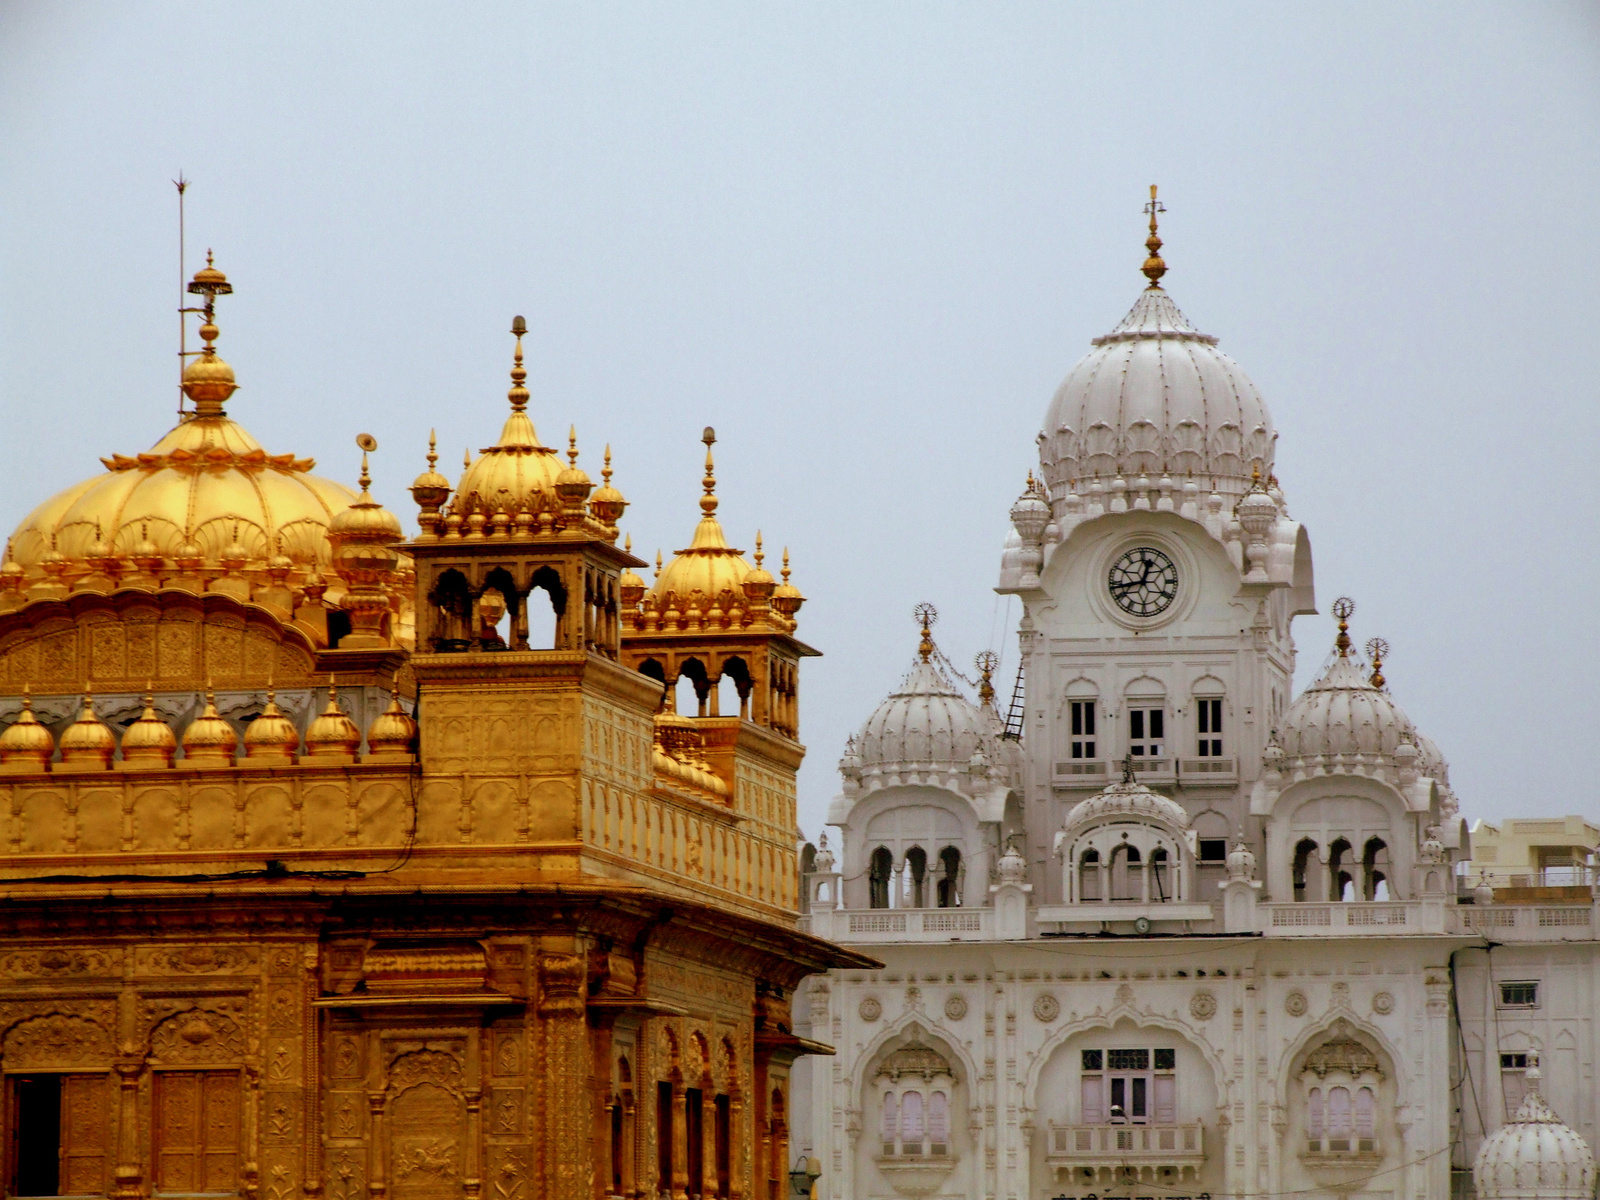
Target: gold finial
x=605 y=471
x=466 y=458
x=925 y=614
x=1377 y=651
x=433 y=449
x=987 y=662
x=1154 y=268
x=759 y=554
x=366 y=477
x=708 y=502
x=658 y=564
x=785 y=571
x=572 y=445
x=627 y=544
x=518 y=395
x=1343 y=608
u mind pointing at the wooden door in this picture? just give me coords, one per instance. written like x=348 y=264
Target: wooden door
x=197 y=1132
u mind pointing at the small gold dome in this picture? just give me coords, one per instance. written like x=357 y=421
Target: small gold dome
x=431 y=489
x=607 y=504
x=26 y=741
x=149 y=739
x=708 y=565
x=332 y=733
x=786 y=598
x=209 y=737
x=758 y=582
x=271 y=734
x=88 y=740
x=573 y=485
x=516 y=474
x=392 y=731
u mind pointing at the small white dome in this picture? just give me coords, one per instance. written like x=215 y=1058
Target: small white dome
x=926 y=725
x=1156 y=395
x=1124 y=800
x=1534 y=1156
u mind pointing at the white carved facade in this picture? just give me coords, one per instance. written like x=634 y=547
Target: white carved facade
x=1187 y=934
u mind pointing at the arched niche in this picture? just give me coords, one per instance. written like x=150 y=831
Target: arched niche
x=914 y=1103
x=1340 y=1100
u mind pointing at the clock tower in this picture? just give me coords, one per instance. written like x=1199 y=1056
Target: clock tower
x=1159 y=571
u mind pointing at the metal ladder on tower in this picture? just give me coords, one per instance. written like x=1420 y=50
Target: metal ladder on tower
x=1013 y=730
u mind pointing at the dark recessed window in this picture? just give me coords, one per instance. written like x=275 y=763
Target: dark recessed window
x=1213 y=849
x=1522 y=994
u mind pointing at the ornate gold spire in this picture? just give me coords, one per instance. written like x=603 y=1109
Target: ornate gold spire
x=926 y=614
x=518 y=395
x=986 y=662
x=1343 y=608
x=209 y=381
x=1154 y=268
x=1377 y=651
x=708 y=502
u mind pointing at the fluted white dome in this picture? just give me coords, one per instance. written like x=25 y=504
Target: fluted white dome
x=1123 y=800
x=1342 y=713
x=1156 y=395
x=925 y=725
x=1534 y=1156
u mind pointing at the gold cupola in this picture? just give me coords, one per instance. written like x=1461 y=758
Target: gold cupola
x=149 y=742
x=392 y=732
x=704 y=582
x=271 y=737
x=204 y=509
x=516 y=474
x=88 y=742
x=209 y=741
x=333 y=736
x=26 y=745
x=363 y=538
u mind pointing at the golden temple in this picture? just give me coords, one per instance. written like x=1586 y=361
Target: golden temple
x=324 y=876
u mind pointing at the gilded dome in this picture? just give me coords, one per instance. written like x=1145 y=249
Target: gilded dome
x=1155 y=395
x=1534 y=1155
x=205 y=495
x=271 y=734
x=515 y=474
x=209 y=736
x=26 y=740
x=708 y=565
x=332 y=733
x=149 y=739
x=391 y=731
x=88 y=739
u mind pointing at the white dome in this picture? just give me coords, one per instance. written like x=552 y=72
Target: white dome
x=1125 y=800
x=925 y=726
x=1533 y=1156
x=1155 y=396
x=1342 y=713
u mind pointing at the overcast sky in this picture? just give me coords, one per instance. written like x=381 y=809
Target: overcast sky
x=866 y=242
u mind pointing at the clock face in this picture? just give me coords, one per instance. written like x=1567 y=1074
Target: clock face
x=1143 y=582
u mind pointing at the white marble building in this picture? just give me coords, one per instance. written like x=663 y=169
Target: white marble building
x=1174 y=932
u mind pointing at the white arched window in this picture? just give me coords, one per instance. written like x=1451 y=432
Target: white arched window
x=891 y=1122
x=938 y=1123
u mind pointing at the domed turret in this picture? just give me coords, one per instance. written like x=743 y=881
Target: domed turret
x=271 y=737
x=363 y=537
x=1534 y=1156
x=706 y=574
x=149 y=741
x=926 y=730
x=607 y=504
x=332 y=735
x=391 y=731
x=205 y=500
x=1342 y=713
x=1126 y=799
x=88 y=741
x=209 y=741
x=1155 y=395
x=26 y=744
x=516 y=474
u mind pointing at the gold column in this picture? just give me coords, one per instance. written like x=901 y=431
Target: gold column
x=680 y=1141
x=377 y=1145
x=128 y=1176
x=568 y=1151
x=472 y=1183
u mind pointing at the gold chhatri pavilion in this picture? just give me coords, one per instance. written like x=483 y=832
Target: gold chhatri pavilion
x=320 y=878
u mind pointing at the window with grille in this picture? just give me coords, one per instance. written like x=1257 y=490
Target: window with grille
x=1209 y=728
x=1129 y=1086
x=1340 y=1121
x=1147 y=732
x=1520 y=994
x=916 y=1125
x=1081 y=716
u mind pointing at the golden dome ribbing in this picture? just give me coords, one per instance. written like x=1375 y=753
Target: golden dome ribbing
x=149 y=741
x=392 y=731
x=708 y=565
x=332 y=734
x=271 y=735
x=209 y=738
x=88 y=741
x=516 y=474
x=26 y=743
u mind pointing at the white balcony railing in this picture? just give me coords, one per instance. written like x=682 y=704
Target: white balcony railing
x=1180 y=1146
x=901 y=924
x=1527 y=923
x=1362 y=916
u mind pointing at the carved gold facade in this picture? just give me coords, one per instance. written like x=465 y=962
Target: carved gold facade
x=322 y=877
